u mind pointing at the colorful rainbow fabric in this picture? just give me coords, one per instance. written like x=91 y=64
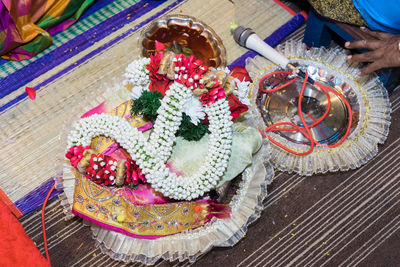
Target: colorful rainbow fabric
x=26 y=26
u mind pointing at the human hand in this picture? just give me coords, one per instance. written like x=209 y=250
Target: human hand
x=385 y=51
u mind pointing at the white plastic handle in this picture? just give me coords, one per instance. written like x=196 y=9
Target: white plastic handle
x=254 y=42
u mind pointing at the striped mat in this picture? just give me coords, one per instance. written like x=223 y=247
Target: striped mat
x=93 y=54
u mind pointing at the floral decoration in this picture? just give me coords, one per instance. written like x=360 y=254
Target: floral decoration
x=236 y=107
x=103 y=169
x=75 y=154
x=158 y=82
x=241 y=74
x=193 y=100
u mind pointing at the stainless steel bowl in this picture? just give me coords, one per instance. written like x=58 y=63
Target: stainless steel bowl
x=282 y=106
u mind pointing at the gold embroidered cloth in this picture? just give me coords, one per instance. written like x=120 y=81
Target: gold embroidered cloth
x=111 y=210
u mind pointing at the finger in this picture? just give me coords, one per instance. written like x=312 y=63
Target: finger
x=369 y=32
x=377 y=65
x=377 y=34
x=367 y=44
x=364 y=57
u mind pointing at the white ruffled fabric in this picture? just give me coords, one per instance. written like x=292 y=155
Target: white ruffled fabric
x=374 y=120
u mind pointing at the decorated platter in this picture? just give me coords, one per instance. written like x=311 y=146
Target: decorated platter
x=171 y=164
x=347 y=116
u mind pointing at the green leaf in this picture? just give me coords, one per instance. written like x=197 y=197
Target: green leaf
x=147 y=105
x=134 y=187
x=187 y=51
x=190 y=131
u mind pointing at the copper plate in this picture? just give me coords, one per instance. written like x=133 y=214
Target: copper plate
x=188 y=32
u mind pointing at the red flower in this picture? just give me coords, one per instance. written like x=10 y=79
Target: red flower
x=75 y=154
x=236 y=107
x=31 y=92
x=158 y=82
x=212 y=95
x=205 y=120
x=154 y=65
x=240 y=73
x=134 y=174
x=159 y=46
x=160 y=85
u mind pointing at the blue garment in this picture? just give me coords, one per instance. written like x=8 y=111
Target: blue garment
x=380 y=15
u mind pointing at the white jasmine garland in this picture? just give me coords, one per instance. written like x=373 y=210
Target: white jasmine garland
x=137 y=74
x=151 y=155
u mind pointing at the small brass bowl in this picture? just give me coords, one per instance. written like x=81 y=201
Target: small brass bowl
x=190 y=33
